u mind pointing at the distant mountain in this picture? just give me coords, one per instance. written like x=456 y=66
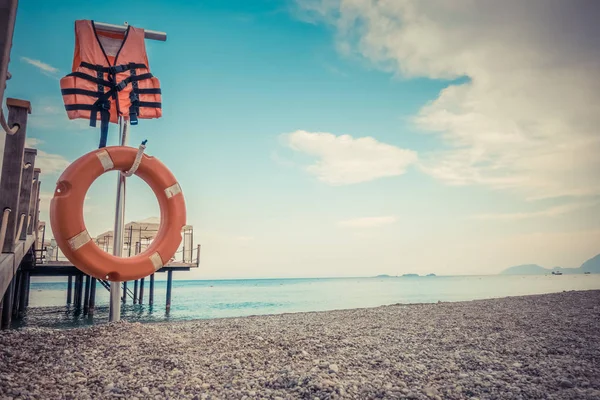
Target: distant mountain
x=592 y=265
x=526 y=269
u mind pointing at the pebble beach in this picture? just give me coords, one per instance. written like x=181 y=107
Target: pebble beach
x=527 y=347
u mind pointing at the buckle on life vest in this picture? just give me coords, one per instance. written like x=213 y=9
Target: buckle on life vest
x=103 y=105
x=115 y=69
x=121 y=85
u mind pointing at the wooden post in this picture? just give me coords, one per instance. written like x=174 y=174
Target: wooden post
x=86 y=295
x=23 y=293
x=12 y=166
x=69 y=289
x=36 y=223
x=26 y=190
x=7 y=305
x=35 y=190
x=169 y=284
x=124 y=298
x=75 y=287
x=27 y=289
x=135 y=291
x=141 y=301
x=151 y=297
x=80 y=291
x=8 y=15
x=17 y=293
x=92 y=297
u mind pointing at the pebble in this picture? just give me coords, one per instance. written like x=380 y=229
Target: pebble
x=462 y=350
x=565 y=383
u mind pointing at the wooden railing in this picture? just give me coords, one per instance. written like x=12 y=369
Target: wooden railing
x=19 y=203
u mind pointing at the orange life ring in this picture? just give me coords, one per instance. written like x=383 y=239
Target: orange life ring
x=68 y=226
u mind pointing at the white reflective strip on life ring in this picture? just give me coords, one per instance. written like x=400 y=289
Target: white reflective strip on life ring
x=107 y=162
x=172 y=190
x=79 y=240
x=156 y=261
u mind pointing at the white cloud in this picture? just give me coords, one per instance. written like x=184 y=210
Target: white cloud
x=344 y=160
x=47 y=162
x=49 y=114
x=526 y=119
x=368 y=222
x=50 y=163
x=46 y=69
x=32 y=142
x=46 y=197
x=548 y=212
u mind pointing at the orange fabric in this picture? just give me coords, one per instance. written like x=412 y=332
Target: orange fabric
x=88 y=48
x=66 y=215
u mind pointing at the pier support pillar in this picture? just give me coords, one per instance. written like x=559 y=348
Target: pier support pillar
x=151 y=297
x=135 y=291
x=7 y=304
x=169 y=285
x=75 y=290
x=86 y=295
x=124 y=299
x=92 y=304
x=16 y=294
x=27 y=289
x=141 y=301
x=23 y=293
x=80 y=291
x=69 y=289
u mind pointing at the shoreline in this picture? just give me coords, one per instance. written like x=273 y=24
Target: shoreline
x=533 y=346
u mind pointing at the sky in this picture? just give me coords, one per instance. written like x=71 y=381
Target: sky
x=324 y=138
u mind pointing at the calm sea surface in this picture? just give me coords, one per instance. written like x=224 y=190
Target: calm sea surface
x=233 y=298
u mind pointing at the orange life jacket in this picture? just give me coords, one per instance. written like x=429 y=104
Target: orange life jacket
x=111 y=77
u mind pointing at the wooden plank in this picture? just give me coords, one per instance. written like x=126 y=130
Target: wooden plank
x=37 y=225
x=18 y=103
x=10 y=261
x=35 y=189
x=8 y=14
x=26 y=189
x=67 y=269
x=12 y=165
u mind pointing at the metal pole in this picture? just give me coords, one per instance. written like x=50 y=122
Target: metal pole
x=148 y=34
x=115 y=287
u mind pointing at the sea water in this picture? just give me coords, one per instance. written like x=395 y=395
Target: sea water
x=201 y=299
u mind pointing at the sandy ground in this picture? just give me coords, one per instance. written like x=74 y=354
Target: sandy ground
x=531 y=347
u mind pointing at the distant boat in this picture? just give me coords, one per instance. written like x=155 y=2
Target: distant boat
x=556 y=273
x=587 y=273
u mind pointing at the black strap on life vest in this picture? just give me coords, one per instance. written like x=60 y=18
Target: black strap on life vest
x=134 y=97
x=104 y=111
x=115 y=69
x=102 y=104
